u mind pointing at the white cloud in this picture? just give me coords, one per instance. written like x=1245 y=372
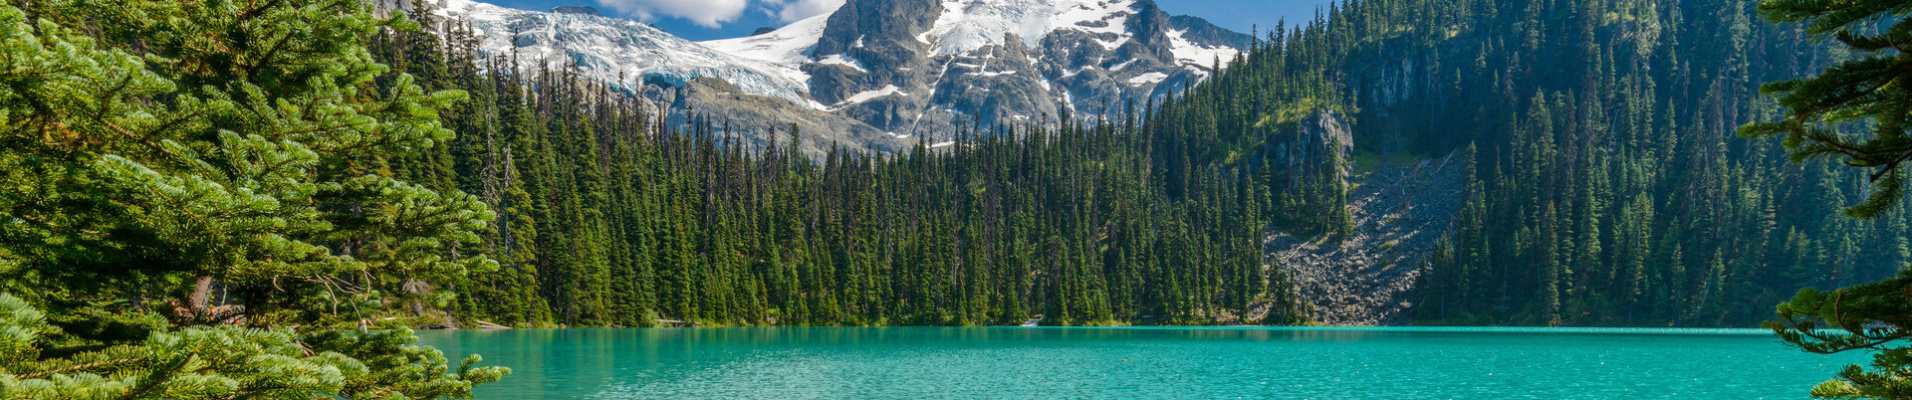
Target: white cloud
x=797 y=10
x=711 y=13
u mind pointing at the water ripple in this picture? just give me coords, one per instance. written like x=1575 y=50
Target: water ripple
x=1167 y=363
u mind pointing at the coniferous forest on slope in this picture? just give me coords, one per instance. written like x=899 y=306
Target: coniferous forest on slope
x=179 y=170
x=610 y=216
x=1605 y=185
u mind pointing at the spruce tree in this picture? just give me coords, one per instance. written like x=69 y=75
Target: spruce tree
x=1855 y=113
x=202 y=174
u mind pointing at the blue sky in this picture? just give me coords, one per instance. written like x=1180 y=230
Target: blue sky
x=720 y=19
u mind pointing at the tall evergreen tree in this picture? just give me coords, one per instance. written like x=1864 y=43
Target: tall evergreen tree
x=188 y=167
x=1856 y=113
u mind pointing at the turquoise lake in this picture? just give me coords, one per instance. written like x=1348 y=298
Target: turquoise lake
x=1170 y=363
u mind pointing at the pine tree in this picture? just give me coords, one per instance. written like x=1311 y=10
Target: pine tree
x=1826 y=114
x=1828 y=110
x=227 y=182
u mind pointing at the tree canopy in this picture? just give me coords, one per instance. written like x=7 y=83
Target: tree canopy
x=188 y=181
x=1856 y=112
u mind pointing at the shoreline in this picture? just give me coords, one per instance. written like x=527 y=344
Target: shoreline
x=1687 y=331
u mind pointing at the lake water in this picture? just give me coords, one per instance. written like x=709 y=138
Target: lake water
x=1174 y=363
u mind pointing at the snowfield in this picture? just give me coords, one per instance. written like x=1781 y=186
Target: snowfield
x=967 y=25
x=789 y=46
x=620 y=52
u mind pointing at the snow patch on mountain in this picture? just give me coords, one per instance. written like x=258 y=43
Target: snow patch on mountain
x=1148 y=79
x=843 y=60
x=1199 y=57
x=968 y=25
x=865 y=97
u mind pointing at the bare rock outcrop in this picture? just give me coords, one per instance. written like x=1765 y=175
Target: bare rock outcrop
x=1400 y=213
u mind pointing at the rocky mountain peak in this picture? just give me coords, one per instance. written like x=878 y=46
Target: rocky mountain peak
x=886 y=71
x=882 y=26
x=1005 y=61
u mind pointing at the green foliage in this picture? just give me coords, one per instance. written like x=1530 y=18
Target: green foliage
x=1854 y=112
x=1601 y=187
x=1867 y=317
x=1865 y=93
x=175 y=170
x=220 y=362
x=263 y=171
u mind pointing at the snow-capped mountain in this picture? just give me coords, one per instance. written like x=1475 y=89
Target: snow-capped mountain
x=882 y=72
x=916 y=66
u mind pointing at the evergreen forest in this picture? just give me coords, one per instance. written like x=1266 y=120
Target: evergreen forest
x=1605 y=185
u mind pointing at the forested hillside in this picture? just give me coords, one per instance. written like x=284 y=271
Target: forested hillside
x=607 y=216
x=1603 y=186
x=1606 y=184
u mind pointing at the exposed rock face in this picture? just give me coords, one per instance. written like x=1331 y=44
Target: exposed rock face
x=1386 y=87
x=866 y=48
x=1006 y=61
x=1311 y=142
x=1400 y=213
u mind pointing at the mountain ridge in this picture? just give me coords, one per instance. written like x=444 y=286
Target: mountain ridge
x=880 y=73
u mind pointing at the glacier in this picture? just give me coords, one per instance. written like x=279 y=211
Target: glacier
x=623 y=53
